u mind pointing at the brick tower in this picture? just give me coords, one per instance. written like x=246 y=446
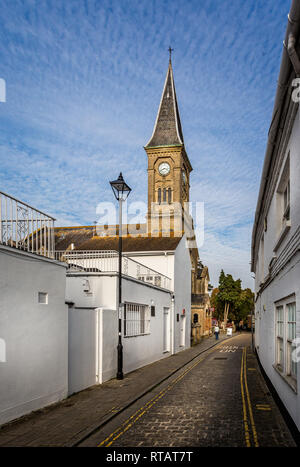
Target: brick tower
x=168 y=166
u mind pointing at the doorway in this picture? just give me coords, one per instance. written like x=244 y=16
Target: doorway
x=166 y=330
x=182 y=331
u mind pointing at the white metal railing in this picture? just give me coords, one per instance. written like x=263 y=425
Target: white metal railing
x=108 y=261
x=25 y=228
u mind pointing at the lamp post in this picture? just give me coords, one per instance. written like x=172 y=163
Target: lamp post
x=121 y=191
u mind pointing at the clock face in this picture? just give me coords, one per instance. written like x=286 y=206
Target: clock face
x=184 y=177
x=164 y=168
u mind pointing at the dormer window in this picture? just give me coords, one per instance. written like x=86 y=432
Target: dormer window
x=286 y=202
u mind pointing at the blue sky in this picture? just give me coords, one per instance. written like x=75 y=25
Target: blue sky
x=84 y=80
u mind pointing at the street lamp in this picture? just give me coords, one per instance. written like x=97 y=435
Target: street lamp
x=121 y=191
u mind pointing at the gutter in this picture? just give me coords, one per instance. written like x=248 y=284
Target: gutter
x=289 y=62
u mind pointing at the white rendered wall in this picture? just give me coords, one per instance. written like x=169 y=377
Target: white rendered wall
x=286 y=283
x=182 y=287
x=35 y=373
x=142 y=350
x=92 y=347
x=85 y=347
x=159 y=261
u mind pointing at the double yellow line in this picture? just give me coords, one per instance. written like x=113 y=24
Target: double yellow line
x=107 y=442
x=246 y=401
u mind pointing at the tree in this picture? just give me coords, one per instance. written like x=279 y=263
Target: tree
x=218 y=313
x=230 y=300
x=229 y=295
x=246 y=306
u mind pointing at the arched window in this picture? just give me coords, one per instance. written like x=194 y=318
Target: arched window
x=165 y=195
x=195 y=318
x=159 y=196
x=169 y=195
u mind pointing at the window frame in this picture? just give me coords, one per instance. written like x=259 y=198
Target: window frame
x=284 y=338
x=136 y=319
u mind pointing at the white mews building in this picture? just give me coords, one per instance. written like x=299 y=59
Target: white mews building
x=276 y=235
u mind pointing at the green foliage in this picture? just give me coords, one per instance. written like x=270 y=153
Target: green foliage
x=219 y=310
x=230 y=293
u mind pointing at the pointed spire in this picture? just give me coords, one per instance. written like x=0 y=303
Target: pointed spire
x=167 y=129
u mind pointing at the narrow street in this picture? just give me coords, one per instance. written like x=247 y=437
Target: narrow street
x=220 y=399
x=214 y=396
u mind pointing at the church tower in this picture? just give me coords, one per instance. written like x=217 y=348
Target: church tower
x=169 y=167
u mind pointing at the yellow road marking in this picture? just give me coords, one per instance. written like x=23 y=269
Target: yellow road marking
x=254 y=432
x=245 y=419
x=263 y=407
x=129 y=422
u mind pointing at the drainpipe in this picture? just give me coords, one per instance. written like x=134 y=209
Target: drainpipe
x=173 y=324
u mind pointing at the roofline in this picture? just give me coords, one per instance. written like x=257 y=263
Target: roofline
x=165 y=146
x=286 y=68
x=160 y=104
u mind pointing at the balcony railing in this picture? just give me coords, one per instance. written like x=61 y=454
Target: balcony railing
x=25 y=228
x=108 y=261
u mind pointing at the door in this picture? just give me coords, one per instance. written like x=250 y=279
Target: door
x=182 y=331
x=166 y=330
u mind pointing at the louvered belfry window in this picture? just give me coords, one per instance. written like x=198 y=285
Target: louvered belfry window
x=165 y=195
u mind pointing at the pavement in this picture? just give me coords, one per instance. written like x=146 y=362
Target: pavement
x=69 y=421
x=211 y=395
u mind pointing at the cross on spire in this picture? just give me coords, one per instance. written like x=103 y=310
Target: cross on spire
x=170 y=52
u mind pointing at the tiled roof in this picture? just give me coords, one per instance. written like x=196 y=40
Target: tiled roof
x=167 y=130
x=84 y=238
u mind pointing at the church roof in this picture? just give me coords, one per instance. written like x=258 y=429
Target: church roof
x=167 y=129
x=84 y=238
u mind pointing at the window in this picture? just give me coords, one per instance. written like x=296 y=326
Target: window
x=43 y=298
x=286 y=202
x=164 y=195
x=136 y=319
x=196 y=319
x=262 y=259
x=285 y=339
x=159 y=196
x=279 y=337
x=283 y=197
x=169 y=195
x=291 y=335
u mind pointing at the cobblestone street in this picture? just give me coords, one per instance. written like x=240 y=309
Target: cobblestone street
x=214 y=395
x=220 y=400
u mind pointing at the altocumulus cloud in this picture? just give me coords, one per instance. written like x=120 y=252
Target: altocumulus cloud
x=84 y=80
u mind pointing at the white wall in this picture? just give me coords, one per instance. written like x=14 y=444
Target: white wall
x=92 y=347
x=285 y=283
x=162 y=262
x=93 y=334
x=142 y=350
x=85 y=325
x=35 y=373
x=182 y=287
